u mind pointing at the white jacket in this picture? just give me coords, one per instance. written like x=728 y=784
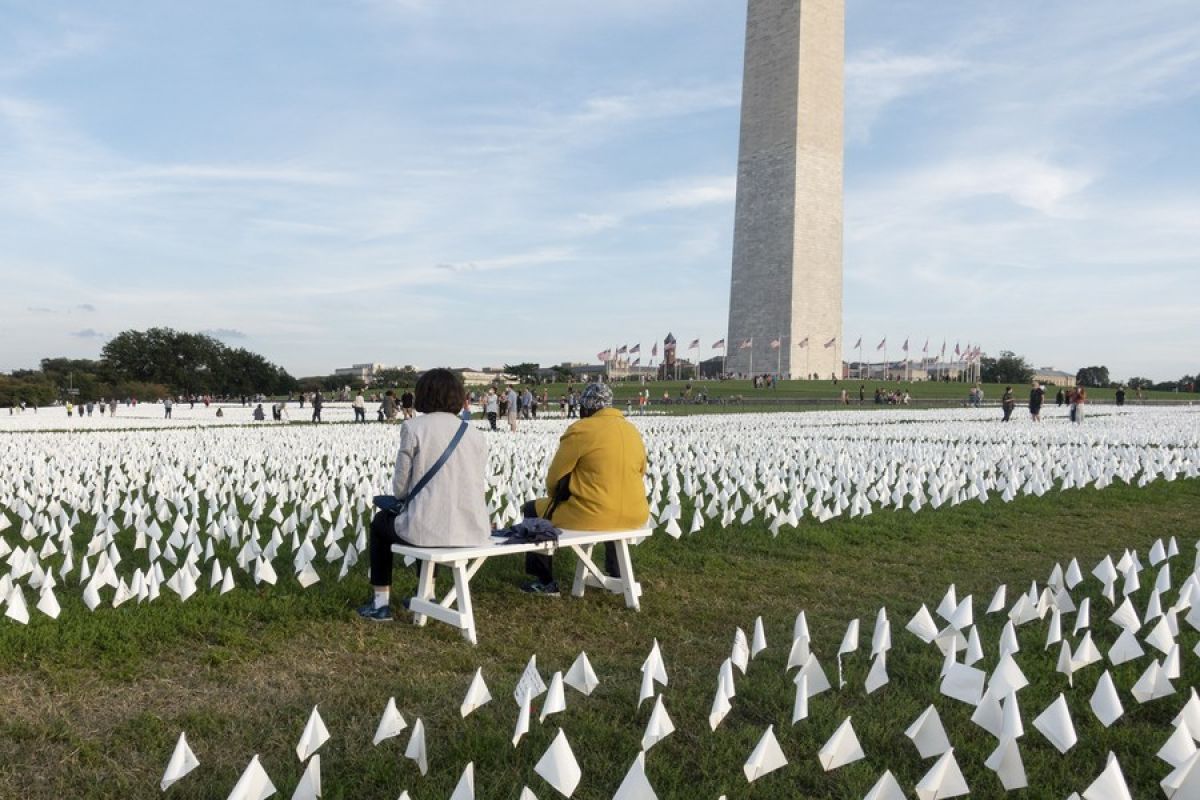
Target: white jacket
x=450 y=511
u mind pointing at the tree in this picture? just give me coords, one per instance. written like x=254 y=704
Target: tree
x=1139 y=383
x=190 y=363
x=396 y=377
x=524 y=372
x=1092 y=376
x=563 y=373
x=1009 y=368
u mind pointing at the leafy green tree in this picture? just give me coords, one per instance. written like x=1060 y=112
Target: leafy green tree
x=563 y=373
x=1009 y=368
x=524 y=372
x=190 y=363
x=396 y=377
x=31 y=388
x=1092 y=376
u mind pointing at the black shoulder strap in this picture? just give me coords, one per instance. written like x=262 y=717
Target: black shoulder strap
x=428 y=476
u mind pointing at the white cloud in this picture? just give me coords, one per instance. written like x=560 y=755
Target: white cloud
x=877 y=78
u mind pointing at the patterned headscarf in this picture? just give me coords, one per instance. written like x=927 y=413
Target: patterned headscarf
x=595 y=396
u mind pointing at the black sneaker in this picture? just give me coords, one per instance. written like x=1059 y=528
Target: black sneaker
x=536 y=587
x=375 y=614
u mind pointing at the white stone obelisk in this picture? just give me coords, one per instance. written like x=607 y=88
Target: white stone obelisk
x=787 y=240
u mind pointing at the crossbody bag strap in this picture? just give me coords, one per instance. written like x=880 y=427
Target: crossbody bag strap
x=428 y=476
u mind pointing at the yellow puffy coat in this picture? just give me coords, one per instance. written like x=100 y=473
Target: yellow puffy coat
x=606 y=459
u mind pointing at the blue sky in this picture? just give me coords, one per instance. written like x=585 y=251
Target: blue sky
x=468 y=183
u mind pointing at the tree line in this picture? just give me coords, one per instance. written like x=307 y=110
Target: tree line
x=149 y=364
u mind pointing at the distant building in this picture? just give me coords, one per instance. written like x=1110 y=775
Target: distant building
x=360 y=372
x=899 y=371
x=484 y=376
x=1054 y=377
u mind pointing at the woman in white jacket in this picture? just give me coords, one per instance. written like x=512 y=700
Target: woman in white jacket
x=450 y=510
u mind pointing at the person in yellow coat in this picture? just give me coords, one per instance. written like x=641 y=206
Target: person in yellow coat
x=596 y=482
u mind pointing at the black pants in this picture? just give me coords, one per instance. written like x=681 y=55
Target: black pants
x=541 y=566
x=491 y=415
x=360 y=414
x=383 y=536
x=316 y=414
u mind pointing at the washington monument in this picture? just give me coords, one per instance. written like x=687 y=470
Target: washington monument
x=787 y=236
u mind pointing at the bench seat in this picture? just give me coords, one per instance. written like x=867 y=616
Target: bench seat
x=456 y=608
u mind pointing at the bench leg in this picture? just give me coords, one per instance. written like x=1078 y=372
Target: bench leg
x=472 y=568
x=632 y=589
x=424 y=590
x=583 y=557
x=462 y=588
x=588 y=574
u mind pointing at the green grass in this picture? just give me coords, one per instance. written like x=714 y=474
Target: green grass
x=91 y=705
x=804 y=392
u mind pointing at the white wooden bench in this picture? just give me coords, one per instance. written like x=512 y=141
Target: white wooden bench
x=456 y=608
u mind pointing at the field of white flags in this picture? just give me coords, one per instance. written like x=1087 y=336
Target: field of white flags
x=114 y=517
x=867 y=604
x=1047 y=672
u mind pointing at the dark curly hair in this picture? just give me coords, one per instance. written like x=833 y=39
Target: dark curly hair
x=440 y=390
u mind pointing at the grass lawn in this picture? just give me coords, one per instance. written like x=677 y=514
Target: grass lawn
x=91 y=705
x=803 y=393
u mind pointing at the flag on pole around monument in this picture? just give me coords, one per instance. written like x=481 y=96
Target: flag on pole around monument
x=746 y=344
x=604 y=355
x=637 y=348
x=803 y=342
x=857 y=344
x=956 y=350
x=882 y=344
x=622 y=350
x=695 y=345
x=774 y=344
x=719 y=344
x=654 y=351
x=925 y=349
x=637 y=361
x=904 y=346
x=943 y=348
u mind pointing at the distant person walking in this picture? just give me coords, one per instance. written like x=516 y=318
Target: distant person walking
x=389 y=405
x=1008 y=401
x=1120 y=396
x=318 y=403
x=1078 y=399
x=360 y=408
x=1036 y=396
x=167 y=405
x=491 y=407
x=510 y=398
x=1060 y=398
x=406 y=405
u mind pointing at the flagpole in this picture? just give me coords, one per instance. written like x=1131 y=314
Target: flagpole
x=779 y=357
x=860 y=360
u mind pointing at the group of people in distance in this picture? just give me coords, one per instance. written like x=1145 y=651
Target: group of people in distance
x=600 y=462
x=1076 y=397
